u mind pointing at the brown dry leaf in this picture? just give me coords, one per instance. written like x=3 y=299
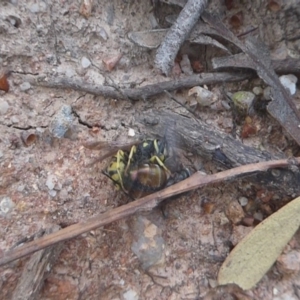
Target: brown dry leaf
x=249 y=261
x=4 y=85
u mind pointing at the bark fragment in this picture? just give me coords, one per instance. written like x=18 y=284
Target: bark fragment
x=36 y=270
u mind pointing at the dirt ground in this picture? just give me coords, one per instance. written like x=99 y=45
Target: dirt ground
x=174 y=253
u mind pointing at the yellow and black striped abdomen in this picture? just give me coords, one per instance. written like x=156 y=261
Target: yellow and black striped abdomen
x=145 y=179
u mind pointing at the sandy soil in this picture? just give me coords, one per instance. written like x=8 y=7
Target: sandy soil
x=170 y=255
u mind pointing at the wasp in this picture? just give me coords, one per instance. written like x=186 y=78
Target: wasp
x=141 y=168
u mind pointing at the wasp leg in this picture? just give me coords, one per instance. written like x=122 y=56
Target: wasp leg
x=161 y=149
x=118 y=184
x=132 y=152
x=115 y=170
x=156 y=159
x=120 y=160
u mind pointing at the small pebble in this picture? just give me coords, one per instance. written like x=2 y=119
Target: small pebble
x=3 y=107
x=86 y=8
x=21 y=188
x=103 y=34
x=267 y=93
x=1 y=154
x=85 y=62
x=243 y=101
x=39 y=27
x=234 y=212
x=289 y=263
x=38 y=7
x=51 y=181
x=238 y=233
x=243 y=201
x=131 y=132
x=122 y=282
x=111 y=62
x=258 y=216
x=289 y=82
x=257 y=90
x=63 y=195
x=6 y=205
x=14 y=119
x=52 y=193
x=225 y=104
x=130 y=295
x=148 y=244
x=34 y=8
x=203 y=96
x=62 y=122
x=25 y=86
x=212 y=282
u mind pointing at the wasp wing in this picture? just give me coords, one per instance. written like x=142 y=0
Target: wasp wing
x=109 y=148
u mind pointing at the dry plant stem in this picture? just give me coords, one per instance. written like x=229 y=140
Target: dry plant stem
x=177 y=34
x=197 y=180
x=144 y=92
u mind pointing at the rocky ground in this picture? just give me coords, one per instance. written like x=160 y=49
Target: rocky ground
x=49 y=178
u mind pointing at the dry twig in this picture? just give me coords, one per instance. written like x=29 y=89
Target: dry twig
x=178 y=33
x=241 y=60
x=146 y=203
x=143 y=92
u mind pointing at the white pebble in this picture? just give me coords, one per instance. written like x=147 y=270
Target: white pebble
x=130 y=295
x=85 y=62
x=3 y=107
x=51 y=181
x=257 y=90
x=6 y=205
x=131 y=132
x=103 y=34
x=21 y=188
x=258 y=216
x=243 y=201
x=289 y=82
x=34 y=8
x=52 y=193
x=25 y=86
x=14 y=119
x=267 y=93
x=203 y=96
